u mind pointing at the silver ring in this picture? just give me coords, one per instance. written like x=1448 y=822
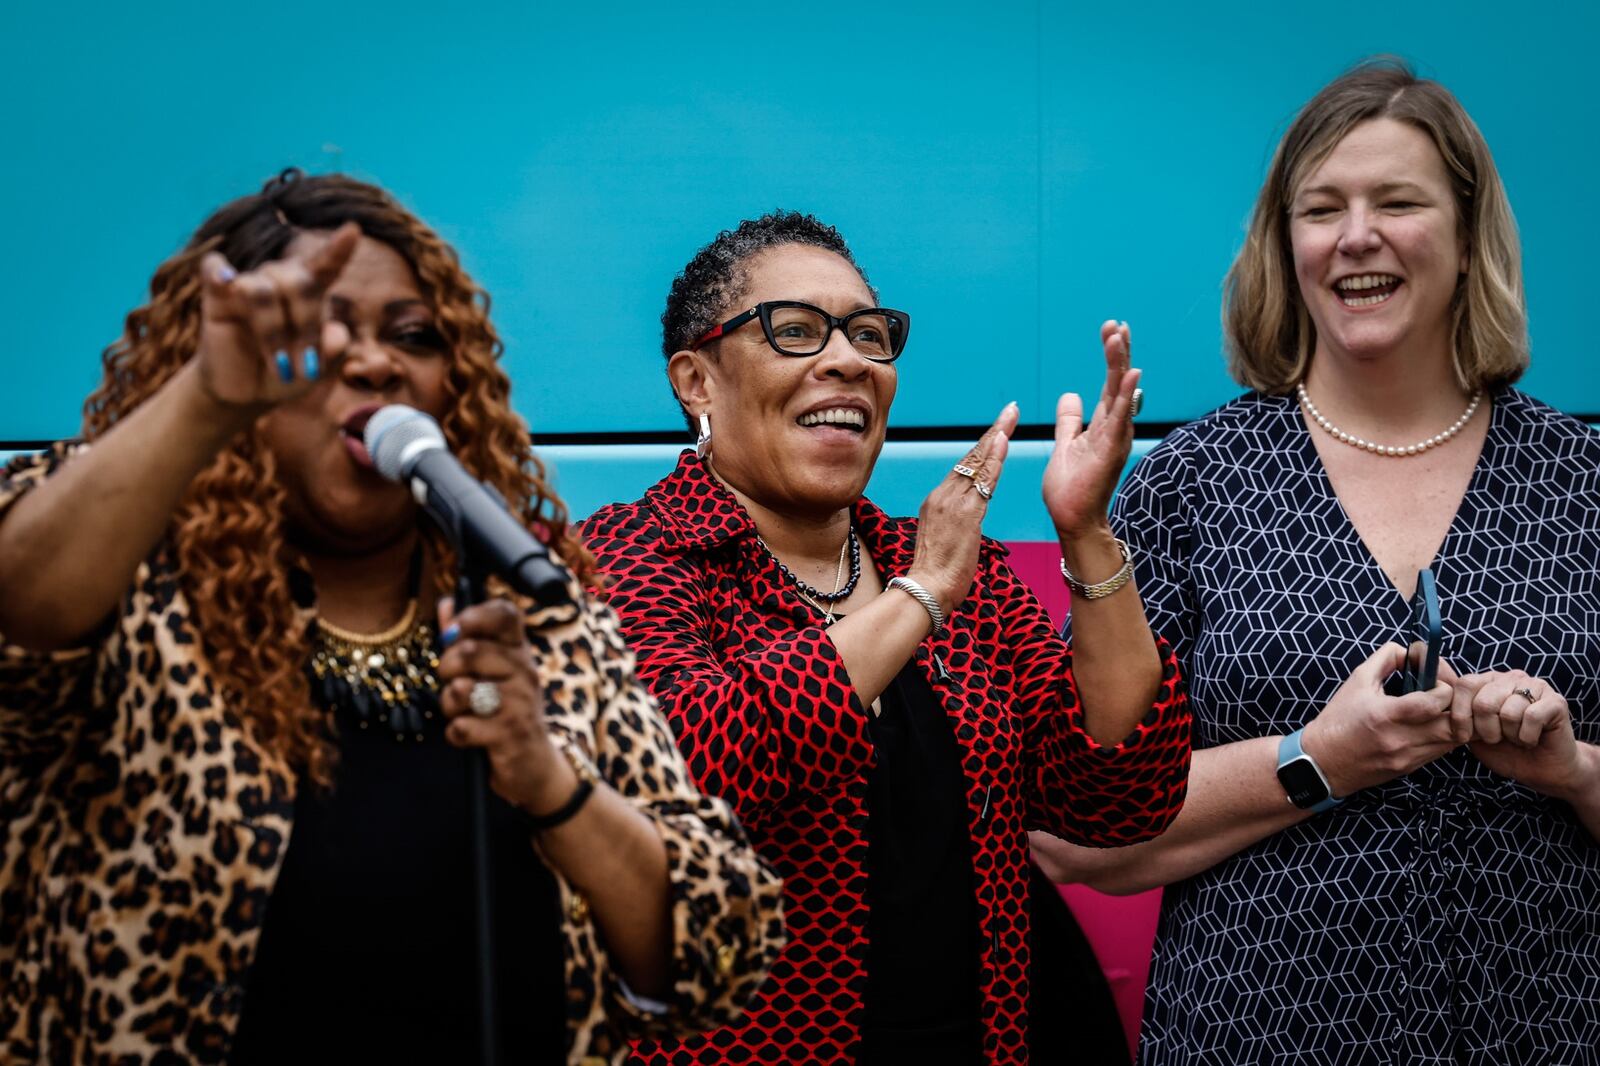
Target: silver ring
x=484 y=699
x=983 y=490
x=965 y=471
x=1525 y=694
x=1137 y=405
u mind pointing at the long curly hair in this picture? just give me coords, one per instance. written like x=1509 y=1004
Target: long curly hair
x=228 y=535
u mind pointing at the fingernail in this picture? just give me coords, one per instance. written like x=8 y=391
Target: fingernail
x=226 y=274
x=285 y=368
x=311 y=364
x=450 y=635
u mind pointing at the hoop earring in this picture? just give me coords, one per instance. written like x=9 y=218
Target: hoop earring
x=702 y=444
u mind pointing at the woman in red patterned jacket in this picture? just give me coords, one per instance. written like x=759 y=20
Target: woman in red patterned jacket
x=886 y=705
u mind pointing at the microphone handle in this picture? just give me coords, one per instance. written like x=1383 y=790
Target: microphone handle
x=487 y=528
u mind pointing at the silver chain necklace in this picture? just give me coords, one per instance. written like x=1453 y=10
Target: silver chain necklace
x=840 y=589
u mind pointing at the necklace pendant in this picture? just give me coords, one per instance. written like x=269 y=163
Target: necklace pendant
x=842 y=589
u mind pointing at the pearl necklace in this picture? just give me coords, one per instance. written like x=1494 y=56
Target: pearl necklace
x=1389 y=449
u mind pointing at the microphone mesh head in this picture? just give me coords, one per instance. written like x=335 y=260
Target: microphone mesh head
x=392 y=437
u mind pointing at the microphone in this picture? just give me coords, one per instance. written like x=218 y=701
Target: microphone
x=407 y=446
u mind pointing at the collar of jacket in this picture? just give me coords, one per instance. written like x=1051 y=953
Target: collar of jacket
x=698 y=513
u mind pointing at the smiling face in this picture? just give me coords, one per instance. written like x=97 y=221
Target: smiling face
x=337 y=501
x=796 y=434
x=1377 y=244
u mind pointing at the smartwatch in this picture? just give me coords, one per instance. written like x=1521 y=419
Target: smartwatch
x=1302 y=778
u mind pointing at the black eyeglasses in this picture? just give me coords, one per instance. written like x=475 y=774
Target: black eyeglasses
x=795 y=328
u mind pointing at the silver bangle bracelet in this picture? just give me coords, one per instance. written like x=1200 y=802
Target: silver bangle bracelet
x=924 y=597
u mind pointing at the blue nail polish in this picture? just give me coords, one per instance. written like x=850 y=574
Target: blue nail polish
x=226 y=274
x=311 y=364
x=450 y=635
x=285 y=369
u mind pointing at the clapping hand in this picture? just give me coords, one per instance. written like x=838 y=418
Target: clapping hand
x=1085 y=464
x=950 y=522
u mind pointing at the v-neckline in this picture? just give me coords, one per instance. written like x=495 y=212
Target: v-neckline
x=1465 y=510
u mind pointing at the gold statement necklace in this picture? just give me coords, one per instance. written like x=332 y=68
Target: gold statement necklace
x=379 y=679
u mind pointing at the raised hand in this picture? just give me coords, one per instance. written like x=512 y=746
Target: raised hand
x=263 y=336
x=1364 y=737
x=949 y=525
x=1085 y=464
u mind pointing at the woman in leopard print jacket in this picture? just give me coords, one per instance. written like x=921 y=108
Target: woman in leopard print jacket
x=886 y=705
x=232 y=810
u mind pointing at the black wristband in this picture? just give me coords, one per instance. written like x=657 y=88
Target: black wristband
x=538 y=823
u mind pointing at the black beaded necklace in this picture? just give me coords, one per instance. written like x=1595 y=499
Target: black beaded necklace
x=853 y=543
x=385 y=679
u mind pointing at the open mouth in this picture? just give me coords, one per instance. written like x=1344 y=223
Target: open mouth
x=847 y=418
x=1366 y=290
x=353 y=431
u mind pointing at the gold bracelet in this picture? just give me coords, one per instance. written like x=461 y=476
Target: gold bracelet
x=1101 y=589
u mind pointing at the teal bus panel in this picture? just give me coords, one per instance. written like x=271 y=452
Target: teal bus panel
x=1010 y=173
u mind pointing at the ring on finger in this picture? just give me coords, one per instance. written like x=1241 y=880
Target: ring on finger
x=1137 y=404
x=965 y=471
x=484 y=699
x=983 y=490
x=1526 y=694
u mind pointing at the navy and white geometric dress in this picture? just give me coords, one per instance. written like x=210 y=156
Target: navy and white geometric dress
x=1450 y=916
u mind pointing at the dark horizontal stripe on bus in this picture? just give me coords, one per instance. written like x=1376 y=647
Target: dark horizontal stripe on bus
x=906 y=434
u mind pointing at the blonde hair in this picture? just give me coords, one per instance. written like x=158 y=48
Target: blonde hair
x=1266 y=328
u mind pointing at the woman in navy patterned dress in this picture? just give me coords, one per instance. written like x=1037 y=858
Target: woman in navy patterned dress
x=1438 y=897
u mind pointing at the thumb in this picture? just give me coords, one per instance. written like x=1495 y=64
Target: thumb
x=1379 y=665
x=216 y=280
x=1069 y=417
x=448 y=631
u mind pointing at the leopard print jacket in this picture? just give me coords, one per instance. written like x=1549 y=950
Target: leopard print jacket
x=142 y=828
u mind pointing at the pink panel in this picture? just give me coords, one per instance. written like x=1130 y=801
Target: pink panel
x=1120 y=929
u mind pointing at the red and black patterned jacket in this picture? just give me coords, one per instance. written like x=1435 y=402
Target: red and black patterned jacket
x=766 y=717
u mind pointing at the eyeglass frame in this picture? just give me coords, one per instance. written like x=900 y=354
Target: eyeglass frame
x=764 y=309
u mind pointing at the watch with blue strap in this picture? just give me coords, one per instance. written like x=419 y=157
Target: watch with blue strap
x=1302 y=778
